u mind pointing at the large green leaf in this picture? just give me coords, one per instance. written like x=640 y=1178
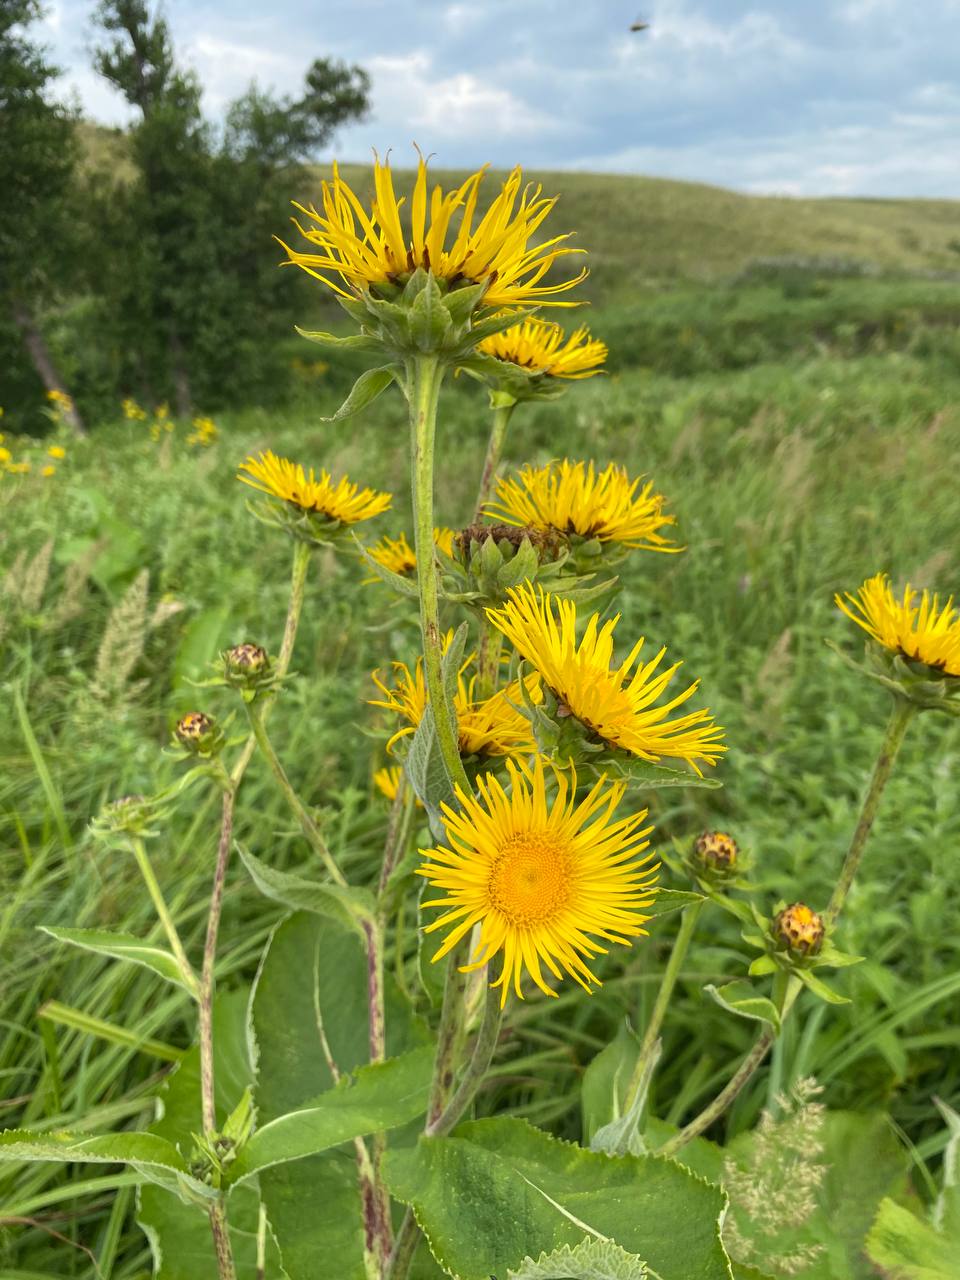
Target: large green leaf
x=375 y=1098
x=157 y=1159
x=179 y=1234
x=589 y=1260
x=604 y=1085
x=348 y=906
x=122 y=946
x=313 y=966
x=498 y=1191
x=907 y=1248
x=644 y=775
x=364 y=391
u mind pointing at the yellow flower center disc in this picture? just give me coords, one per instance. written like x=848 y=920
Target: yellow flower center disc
x=530 y=880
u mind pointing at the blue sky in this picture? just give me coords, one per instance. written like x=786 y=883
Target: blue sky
x=819 y=97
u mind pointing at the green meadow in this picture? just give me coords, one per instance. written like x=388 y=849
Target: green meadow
x=788 y=374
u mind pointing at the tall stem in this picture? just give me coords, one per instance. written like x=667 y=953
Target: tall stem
x=378 y=1051
x=900 y=717
x=298 y=579
x=221 y=1240
x=498 y=433
x=255 y=715
x=163 y=912
x=488 y=659
x=449 y=1034
x=688 y=924
x=424 y=375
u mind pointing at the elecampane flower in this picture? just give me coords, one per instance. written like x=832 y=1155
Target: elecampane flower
x=486 y=726
x=917 y=626
x=618 y=704
x=397 y=555
x=574 y=497
x=544 y=347
x=548 y=882
x=340 y=500
x=361 y=249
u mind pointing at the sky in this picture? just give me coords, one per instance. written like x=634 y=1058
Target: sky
x=792 y=97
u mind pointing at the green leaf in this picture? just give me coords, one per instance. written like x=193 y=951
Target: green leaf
x=604 y=1084
x=405 y=586
x=355 y=342
x=820 y=988
x=365 y=390
x=762 y=965
x=643 y=775
x=432 y=975
x=423 y=762
x=158 y=1160
x=498 y=1191
x=350 y=907
x=122 y=946
x=910 y=1249
x=740 y=998
x=377 y=1097
x=668 y=900
x=430 y=323
x=589 y=1260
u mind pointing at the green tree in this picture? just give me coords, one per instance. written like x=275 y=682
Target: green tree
x=37 y=158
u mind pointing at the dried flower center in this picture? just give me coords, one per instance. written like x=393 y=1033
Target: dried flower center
x=531 y=879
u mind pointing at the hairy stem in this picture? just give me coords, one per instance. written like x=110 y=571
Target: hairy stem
x=163 y=912
x=488 y=659
x=424 y=375
x=221 y=1240
x=255 y=714
x=498 y=432
x=378 y=1051
x=900 y=717
x=209 y=960
x=450 y=1032
x=688 y=924
x=298 y=579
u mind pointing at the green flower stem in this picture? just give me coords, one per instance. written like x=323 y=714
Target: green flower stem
x=900 y=717
x=450 y=1032
x=163 y=912
x=298 y=579
x=398 y=833
x=424 y=375
x=379 y=1211
x=488 y=660
x=688 y=924
x=498 y=433
x=256 y=716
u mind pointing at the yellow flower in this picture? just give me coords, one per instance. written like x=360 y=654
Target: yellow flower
x=341 y=501
x=617 y=707
x=539 y=345
x=490 y=726
x=132 y=411
x=387 y=782
x=162 y=412
x=18 y=468
x=368 y=249
x=545 y=882
x=56 y=451
x=5 y=454
x=574 y=497
x=397 y=555
x=60 y=398
x=923 y=630
x=48 y=471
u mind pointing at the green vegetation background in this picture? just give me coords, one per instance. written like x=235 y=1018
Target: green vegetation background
x=789 y=374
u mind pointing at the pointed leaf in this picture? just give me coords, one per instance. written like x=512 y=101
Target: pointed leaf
x=350 y=906
x=643 y=775
x=405 y=586
x=820 y=988
x=589 y=1260
x=122 y=946
x=668 y=900
x=365 y=390
x=740 y=998
x=355 y=342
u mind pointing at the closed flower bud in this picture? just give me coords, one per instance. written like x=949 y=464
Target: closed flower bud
x=716 y=851
x=799 y=928
x=199 y=734
x=247 y=667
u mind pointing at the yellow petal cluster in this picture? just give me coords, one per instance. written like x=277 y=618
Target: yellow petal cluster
x=340 y=500
x=544 y=347
x=620 y=705
x=397 y=555
x=574 y=497
x=548 y=882
x=360 y=249
x=918 y=626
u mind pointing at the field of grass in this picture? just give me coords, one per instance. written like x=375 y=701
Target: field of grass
x=802 y=424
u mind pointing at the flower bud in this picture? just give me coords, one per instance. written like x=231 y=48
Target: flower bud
x=799 y=929
x=199 y=734
x=130 y=815
x=716 y=851
x=247 y=667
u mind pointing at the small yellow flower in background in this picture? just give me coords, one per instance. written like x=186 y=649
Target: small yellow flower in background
x=18 y=468
x=490 y=726
x=56 y=451
x=162 y=412
x=132 y=411
x=5 y=455
x=387 y=782
x=48 y=471
x=573 y=497
x=286 y=480
x=397 y=555
x=366 y=249
x=540 y=345
x=205 y=432
x=917 y=626
x=60 y=399
x=617 y=707
x=547 y=883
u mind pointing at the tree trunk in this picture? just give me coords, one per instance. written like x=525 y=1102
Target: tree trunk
x=43 y=362
x=181 y=379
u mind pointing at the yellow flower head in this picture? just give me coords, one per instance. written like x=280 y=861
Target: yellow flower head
x=56 y=451
x=60 y=398
x=132 y=411
x=364 y=249
x=397 y=555
x=618 y=707
x=48 y=471
x=548 y=883
x=387 y=780
x=540 y=345
x=489 y=726
x=921 y=629
x=573 y=497
x=342 y=501
x=5 y=455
